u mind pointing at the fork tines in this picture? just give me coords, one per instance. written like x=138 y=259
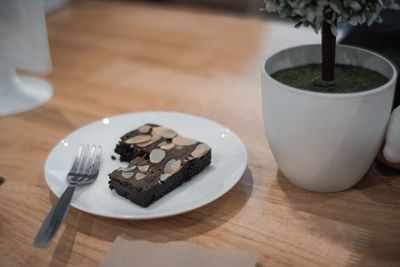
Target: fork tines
x=86 y=164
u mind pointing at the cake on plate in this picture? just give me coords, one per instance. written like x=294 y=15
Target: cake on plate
x=159 y=160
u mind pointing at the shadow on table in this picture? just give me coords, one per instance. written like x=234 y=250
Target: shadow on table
x=369 y=205
x=381 y=185
x=63 y=250
x=379 y=175
x=301 y=198
x=179 y=227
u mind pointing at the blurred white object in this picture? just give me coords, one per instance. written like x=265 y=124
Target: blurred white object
x=23 y=45
x=391 y=150
x=51 y=6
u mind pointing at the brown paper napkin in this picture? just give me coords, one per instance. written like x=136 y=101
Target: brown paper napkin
x=129 y=252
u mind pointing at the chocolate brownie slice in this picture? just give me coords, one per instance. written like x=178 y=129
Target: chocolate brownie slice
x=159 y=161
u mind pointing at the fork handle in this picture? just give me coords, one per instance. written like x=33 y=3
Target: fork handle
x=54 y=219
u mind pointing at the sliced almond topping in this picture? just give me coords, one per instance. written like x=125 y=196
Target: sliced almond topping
x=163 y=143
x=168 y=146
x=140 y=176
x=200 y=150
x=129 y=168
x=127 y=175
x=144 y=168
x=151 y=141
x=144 y=129
x=164 y=132
x=183 y=141
x=164 y=176
x=157 y=155
x=172 y=166
x=138 y=139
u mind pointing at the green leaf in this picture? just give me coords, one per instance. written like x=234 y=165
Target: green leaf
x=336 y=5
x=371 y=17
x=362 y=18
x=355 y=6
x=284 y=13
x=270 y=6
x=354 y=20
x=323 y=2
x=394 y=6
x=298 y=24
x=310 y=15
x=316 y=12
x=333 y=29
x=314 y=28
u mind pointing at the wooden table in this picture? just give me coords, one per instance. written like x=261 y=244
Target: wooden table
x=116 y=57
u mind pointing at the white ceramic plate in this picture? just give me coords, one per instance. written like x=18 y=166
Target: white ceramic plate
x=229 y=160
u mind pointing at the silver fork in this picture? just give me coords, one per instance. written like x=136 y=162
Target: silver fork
x=84 y=170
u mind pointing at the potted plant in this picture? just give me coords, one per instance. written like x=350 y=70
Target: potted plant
x=327 y=107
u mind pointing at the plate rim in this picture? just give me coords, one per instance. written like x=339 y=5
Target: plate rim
x=241 y=170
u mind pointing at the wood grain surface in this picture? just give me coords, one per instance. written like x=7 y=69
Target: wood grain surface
x=116 y=57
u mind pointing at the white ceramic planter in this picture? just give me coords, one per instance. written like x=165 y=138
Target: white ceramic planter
x=327 y=142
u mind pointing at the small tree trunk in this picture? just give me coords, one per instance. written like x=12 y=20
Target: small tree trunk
x=328 y=53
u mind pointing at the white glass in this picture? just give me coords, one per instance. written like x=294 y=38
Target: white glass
x=23 y=45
